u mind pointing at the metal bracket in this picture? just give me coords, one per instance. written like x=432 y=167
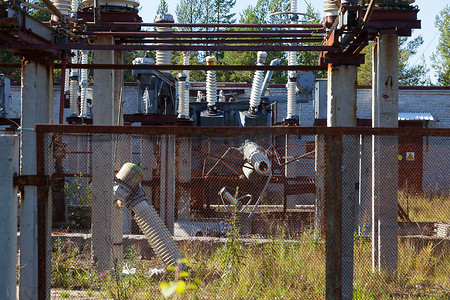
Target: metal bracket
x=36 y=180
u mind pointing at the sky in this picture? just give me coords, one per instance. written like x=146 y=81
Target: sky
x=428 y=11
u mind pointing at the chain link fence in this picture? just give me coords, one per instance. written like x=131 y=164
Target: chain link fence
x=255 y=213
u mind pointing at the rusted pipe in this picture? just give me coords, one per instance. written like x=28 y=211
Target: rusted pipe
x=369 y=12
x=209 y=25
x=166 y=47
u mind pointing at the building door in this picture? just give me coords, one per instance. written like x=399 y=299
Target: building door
x=410 y=160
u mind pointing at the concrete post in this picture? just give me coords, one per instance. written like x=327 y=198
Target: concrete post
x=341 y=111
x=292 y=169
x=8 y=216
x=37 y=107
x=184 y=176
x=365 y=186
x=106 y=217
x=167 y=181
x=384 y=156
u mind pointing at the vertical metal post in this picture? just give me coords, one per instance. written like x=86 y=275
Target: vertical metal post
x=333 y=198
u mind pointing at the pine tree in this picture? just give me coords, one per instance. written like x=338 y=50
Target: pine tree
x=407 y=74
x=163 y=7
x=441 y=59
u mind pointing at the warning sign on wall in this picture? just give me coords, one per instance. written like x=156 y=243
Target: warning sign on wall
x=410 y=156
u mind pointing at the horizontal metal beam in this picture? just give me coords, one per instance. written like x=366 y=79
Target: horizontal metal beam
x=208 y=34
x=204 y=25
x=233 y=131
x=224 y=41
x=164 y=47
x=178 y=67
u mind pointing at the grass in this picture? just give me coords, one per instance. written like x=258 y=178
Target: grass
x=278 y=269
x=430 y=208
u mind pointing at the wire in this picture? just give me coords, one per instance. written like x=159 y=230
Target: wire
x=18 y=126
x=429 y=44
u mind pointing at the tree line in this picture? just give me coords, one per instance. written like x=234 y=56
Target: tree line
x=220 y=11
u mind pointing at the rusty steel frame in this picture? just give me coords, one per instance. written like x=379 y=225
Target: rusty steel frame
x=41 y=46
x=177 y=67
x=209 y=34
x=42 y=203
x=232 y=131
x=314 y=39
x=206 y=25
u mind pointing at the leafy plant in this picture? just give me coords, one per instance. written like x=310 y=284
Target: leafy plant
x=231 y=250
x=182 y=283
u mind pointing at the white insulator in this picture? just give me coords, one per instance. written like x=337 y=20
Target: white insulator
x=132 y=3
x=255 y=95
x=187 y=229
x=183 y=97
x=258 y=80
x=74 y=96
x=293 y=6
x=66 y=81
x=84 y=84
x=186 y=62
x=74 y=6
x=330 y=8
x=63 y=6
x=292 y=61
x=291 y=105
x=163 y=57
x=156 y=233
x=211 y=88
x=256 y=156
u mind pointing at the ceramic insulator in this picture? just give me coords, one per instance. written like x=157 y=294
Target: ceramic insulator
x=330 y=8
x=84 y=84
x=63 y=6
x=163 y=57
x=291 y=105
x=183 y=99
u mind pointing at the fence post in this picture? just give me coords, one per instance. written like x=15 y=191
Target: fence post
x=333 y=204
x=8 y=216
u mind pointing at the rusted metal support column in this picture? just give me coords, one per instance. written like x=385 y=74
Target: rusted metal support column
x=167 y=181
x=333 y=196
x=9 y=164
x=341 y=111
x=106 y=217
x=37 y=107
x=184 y=177
x=384 y=156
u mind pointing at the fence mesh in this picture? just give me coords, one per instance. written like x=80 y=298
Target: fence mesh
x=249 y=215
